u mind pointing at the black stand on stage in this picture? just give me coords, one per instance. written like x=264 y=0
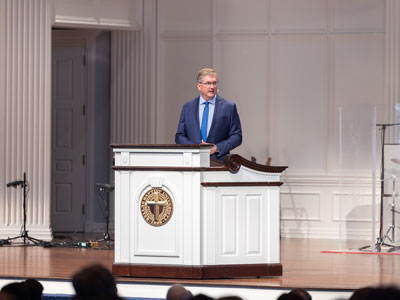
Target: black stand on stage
x=381 y=239
x=108 y=188
x=392 y=228
x=24 y=235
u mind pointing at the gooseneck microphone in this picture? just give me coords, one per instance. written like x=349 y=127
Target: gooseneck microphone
x=105 y=187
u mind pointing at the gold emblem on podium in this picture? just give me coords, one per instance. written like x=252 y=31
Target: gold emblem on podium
x=156 y=207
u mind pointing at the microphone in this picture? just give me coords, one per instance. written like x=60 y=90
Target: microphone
x=105 y=187
x=15 y=183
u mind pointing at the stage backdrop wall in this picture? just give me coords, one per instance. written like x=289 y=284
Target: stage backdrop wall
x=288 y=65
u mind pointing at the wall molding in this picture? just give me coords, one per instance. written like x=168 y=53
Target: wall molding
x=89 y=14
x=327 y=233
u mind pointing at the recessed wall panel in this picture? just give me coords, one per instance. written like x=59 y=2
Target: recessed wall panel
x=357 y=87
x=179 y=61
x=241 y=16
x=299 y=102
x=63 y=194
x=253 y=224
x=184 y=16
x=64 y=87
x=242 y=65
x=63 y=120
x=358 y=15
x=229 y=224
x=299 y=16
x=63 y=165
x=355 y=206
x=301 y=206
x=358 y=69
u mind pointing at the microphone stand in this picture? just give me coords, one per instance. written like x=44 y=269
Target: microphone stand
x=24 y=235
x=108 y=189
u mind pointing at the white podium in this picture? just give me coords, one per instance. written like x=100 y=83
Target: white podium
x=178 y=216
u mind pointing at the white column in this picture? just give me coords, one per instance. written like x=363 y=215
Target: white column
x=25 y=57
x=133 y=81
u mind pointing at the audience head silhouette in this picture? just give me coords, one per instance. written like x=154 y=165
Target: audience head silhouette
x=34 y=287
x=296 y=294
x=178 y=292
x=15 y=290
x=376 y=293
x=202 y=297
x=361 y=294
x=94 y=282
x=6 y=296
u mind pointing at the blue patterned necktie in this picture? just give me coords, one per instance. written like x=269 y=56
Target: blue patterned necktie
x=204 y=122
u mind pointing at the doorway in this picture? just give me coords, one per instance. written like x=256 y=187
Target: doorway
x=80 y=128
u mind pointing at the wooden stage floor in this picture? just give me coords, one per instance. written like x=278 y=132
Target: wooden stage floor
x=303 y=266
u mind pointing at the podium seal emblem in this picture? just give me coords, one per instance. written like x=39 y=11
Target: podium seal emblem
x=156 y=207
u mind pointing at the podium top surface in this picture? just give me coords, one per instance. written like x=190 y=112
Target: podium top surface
x=172 y=157
x=162 y=146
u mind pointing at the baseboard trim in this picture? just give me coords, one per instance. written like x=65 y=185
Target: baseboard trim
x=37 y=233
x=327 y=233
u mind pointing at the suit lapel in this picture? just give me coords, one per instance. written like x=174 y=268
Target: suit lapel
x=196 y=116
x=216 y=112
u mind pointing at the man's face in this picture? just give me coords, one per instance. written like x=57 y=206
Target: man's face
x=208 y=87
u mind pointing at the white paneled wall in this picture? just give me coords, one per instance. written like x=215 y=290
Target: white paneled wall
x=25 y=102
x=289 y=65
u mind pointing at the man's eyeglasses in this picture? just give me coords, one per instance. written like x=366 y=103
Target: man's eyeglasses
x=209 y=84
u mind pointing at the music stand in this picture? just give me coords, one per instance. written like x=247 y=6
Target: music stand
x=108 y=188
x=24 y=235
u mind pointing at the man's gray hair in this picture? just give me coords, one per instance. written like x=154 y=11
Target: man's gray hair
x=205 y=72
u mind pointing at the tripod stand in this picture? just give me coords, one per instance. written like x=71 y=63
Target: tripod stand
x=390 y=233
x=381 y=239
x=24 y=235
x=108 y=188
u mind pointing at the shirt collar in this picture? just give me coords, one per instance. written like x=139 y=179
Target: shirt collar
x=212 y=101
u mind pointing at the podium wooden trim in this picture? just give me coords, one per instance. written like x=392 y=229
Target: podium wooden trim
x=215 y=184
x=197 y=272
x=225 y=222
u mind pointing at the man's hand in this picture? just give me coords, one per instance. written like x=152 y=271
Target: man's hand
x=213 y=149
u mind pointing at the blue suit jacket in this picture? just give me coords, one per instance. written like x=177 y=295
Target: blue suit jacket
x=225 y=131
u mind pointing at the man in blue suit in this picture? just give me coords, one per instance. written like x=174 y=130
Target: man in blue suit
x=210 y=119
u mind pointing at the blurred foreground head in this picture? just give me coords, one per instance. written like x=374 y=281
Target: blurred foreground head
x=15 y=290
x=94 y=282
x=376 y=293
x=178 y=292
x=34 y=287
x=296 y=294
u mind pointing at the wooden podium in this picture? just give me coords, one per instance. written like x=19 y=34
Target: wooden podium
x=179 y=214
